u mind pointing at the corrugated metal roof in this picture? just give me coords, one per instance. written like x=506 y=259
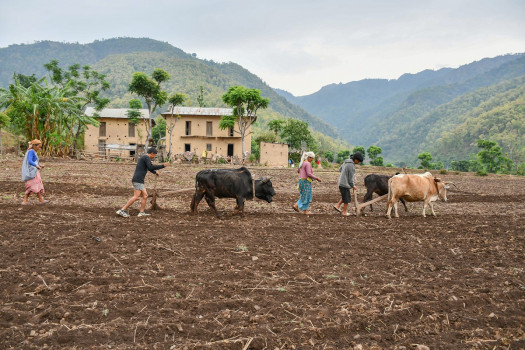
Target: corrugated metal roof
x=121 y=113
x=199 y=111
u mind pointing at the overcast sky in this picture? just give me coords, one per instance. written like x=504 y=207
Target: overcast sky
x=295 y=45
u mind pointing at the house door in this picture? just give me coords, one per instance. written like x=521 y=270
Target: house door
x=230 y=150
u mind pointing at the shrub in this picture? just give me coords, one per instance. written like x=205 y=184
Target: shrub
x=481 y=172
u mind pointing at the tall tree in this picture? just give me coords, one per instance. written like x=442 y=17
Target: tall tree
x=296 y=132
x=245 y=103
x=149 y=89
x=174 y=101
x=373 y=153
x=200 y=98
x=425 y=158
x=360 y=149
x=276 y=125
x=492 y=158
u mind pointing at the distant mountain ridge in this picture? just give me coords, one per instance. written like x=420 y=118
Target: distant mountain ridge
x=386 y=112
x=119 y=58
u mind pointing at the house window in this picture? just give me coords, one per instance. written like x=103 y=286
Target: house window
x=131 y=130
x=209 y=128
x=132 y=153
x=188 y=128
x=102 y=129
x=230 y=132
x=208 y=147
x=187 y=146
x=230 y=150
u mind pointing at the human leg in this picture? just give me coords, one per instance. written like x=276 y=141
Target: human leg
x=136 y=196
x=144 y=195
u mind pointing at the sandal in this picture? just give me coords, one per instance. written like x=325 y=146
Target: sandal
x=337 y=209
x=347 y=214
x=295 y=208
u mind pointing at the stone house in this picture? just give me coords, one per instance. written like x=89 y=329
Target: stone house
x=274 y=154
x=115 y=129
x=196 y=129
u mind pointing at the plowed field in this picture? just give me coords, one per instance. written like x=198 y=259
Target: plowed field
x=75 y=275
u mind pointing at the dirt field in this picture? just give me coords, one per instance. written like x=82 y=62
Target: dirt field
x=75 y=275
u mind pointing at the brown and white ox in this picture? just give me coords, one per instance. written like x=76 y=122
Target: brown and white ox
x=415 y=188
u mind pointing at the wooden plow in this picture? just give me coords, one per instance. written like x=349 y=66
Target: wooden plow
x=358 y=207
x=155 y=206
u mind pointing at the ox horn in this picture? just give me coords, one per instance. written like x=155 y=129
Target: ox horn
x=451 y=183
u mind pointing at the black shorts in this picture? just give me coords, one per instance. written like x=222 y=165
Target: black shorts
x=345 y=194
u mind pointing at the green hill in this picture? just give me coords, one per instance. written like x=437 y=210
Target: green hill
x=119 y=58
x=412 y=114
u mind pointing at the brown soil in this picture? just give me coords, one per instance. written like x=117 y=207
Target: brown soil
x=75 y=275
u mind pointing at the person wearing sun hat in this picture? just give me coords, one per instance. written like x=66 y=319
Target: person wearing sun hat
x=31 y=173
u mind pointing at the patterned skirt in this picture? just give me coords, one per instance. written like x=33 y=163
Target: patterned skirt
x=305 y=190
x=35 y=185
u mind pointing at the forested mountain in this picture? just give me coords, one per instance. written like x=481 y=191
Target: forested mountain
x=410 y=115
x=119 y=58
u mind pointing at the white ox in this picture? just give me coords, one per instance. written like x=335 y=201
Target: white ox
x=415 y=188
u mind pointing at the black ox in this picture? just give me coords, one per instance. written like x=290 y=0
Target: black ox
x=376 y=183
x=229 y=183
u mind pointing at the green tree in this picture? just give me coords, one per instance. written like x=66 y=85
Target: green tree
x=296 y=132
x=425 y=158
x=276 y=125
x=492 y=158
x=150 y=89
x=329 y=155
x=82 y=82
x=200 y=98
x=4 y=122
x=133 y=112
x=373 y=153
x=25 y=80
x=174 y=101
x=159 y=130
x=245 y=103
x=342 y=155
x=45 y=113
x=460 y=165
x=360 y=149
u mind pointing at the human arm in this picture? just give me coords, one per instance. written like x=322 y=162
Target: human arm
x=309 y=171
x=152 y=168
x=32 y=159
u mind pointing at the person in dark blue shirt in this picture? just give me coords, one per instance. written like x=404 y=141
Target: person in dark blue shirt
x=143 y=166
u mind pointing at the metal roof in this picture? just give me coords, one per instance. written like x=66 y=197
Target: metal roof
x=120 y=113
x=199 y=111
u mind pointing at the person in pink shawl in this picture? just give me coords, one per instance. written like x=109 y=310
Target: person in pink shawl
x=31 y=173
x=306 y=177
